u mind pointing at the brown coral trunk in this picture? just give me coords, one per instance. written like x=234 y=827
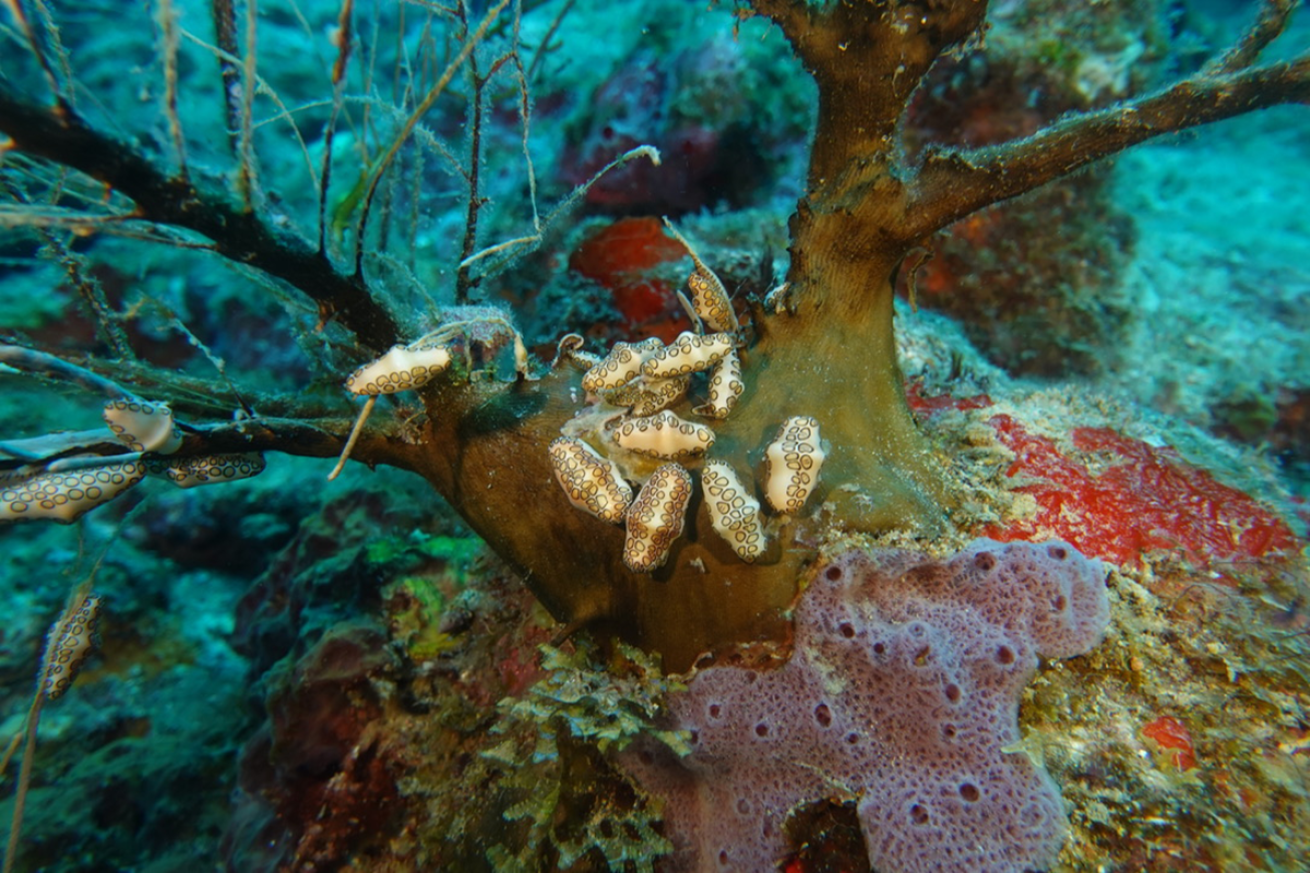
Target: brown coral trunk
x=833 y=358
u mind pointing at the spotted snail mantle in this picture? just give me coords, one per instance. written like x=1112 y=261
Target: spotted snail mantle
x=626 y=429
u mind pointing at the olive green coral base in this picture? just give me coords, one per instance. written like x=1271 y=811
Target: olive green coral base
x=837 y=365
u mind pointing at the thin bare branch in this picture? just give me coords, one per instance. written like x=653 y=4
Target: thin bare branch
x=428 y=99
x=288 y=114
x=51 y=32
x=62 y=94
x=246 y=167
x=648 y=152
x=266 y=90
x=344 y=40
x=515 y=248
x=263 y=88
x=219 y=365
x=81 y=603
x=50 y=217
x=522 y=77
x=540 y=54
x=430 y=141
x=122 y=225
x=313 y=438
x=82 y=280
x=225 y=30
x=351 y=440
x=465 y=282
x=952 y=184
x=199 y=205
x=33 y=361
x=1274 y=15
x=168 y=36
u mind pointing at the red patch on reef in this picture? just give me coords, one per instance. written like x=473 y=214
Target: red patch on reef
x=1170 y=733
x=921 y=403
x=316 y=783
x=520 y=670
x=623 y=257
x=940 y=276
x=1145 y=499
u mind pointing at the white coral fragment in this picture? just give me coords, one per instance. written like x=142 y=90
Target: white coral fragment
x=592 y=483
x=734 y=512
x=655 y=518
x=664 y=435
x=689 y=353
x=401 y=369
x=792 y=464
x=143 y=426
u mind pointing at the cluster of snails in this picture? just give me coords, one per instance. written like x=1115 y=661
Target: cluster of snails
x=627 y=429
x=628 y=423
x=64 y=490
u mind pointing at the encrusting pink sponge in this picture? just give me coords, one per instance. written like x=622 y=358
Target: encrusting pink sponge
x=901 y=693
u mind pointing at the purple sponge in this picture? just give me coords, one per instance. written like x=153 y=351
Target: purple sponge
x=902 y=690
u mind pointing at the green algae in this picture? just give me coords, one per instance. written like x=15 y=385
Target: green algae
x=577 y=708
x=458 y=552
x=431 y=572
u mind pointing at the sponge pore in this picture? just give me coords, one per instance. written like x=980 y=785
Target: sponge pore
x=901 y=692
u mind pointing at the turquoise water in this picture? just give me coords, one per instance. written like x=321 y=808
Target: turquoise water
x=265 y=643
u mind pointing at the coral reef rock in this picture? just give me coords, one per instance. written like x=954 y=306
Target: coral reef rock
x=902 y=692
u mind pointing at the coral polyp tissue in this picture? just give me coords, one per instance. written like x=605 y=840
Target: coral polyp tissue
x=629 y=389
x=902 y=693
